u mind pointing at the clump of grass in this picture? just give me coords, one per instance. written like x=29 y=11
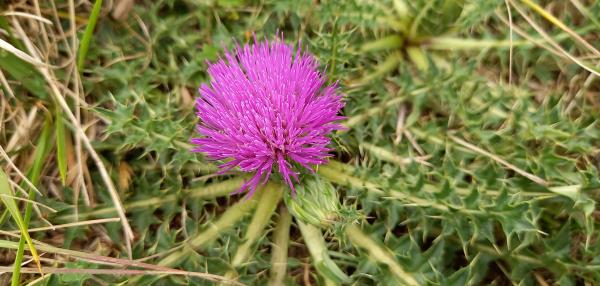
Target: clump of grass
x=471 y=154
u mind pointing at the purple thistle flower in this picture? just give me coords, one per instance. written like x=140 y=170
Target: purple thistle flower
x=266 y=107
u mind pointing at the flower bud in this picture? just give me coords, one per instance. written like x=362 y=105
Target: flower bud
x=316 y=202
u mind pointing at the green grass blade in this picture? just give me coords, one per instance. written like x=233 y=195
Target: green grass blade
x=10 y=204
x=3 y=217
x=87 y=35
x=41 y=152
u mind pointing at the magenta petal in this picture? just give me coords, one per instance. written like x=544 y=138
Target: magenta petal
x=266 y=107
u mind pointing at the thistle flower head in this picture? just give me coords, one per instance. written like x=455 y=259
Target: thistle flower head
x=267 y=108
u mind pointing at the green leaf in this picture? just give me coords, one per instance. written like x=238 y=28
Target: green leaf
x=87 y=35
x=6 y=195
x=41 y=152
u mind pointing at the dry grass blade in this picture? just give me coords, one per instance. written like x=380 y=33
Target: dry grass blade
x=400 y=124
x=121 y=10
x=29 y=16
x=26 y=125
x=510 y=38
x=20 y=54
x=61 y=146
x=386 y=155
x=28 y=201
x=55 y=92
x=552 y=42
x=16 y=169
x=80 y=181
x=584 y=11
x=74 y=224
x=535 y=41
x=7 y=87
x=112 y=261
x=496 y=158
x=129 y=272
x=555 y=21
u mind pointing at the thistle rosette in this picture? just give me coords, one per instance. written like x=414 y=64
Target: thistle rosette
x=267 y=108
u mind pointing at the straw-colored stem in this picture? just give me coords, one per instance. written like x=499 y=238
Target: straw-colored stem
x=379 y=253
x=211 y=232
x=315 y=242
x=279 y=250
x=269 y=198
x=209 y=191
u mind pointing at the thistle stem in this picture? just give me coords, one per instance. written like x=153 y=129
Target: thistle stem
x=448 y=43
x=206 y=192
x=386 y=43
x=227 y=220
x=279 y=250
x=269 y=198
x=315 y=243
x=418 y=57
x=379 y=253
x=339 y=177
